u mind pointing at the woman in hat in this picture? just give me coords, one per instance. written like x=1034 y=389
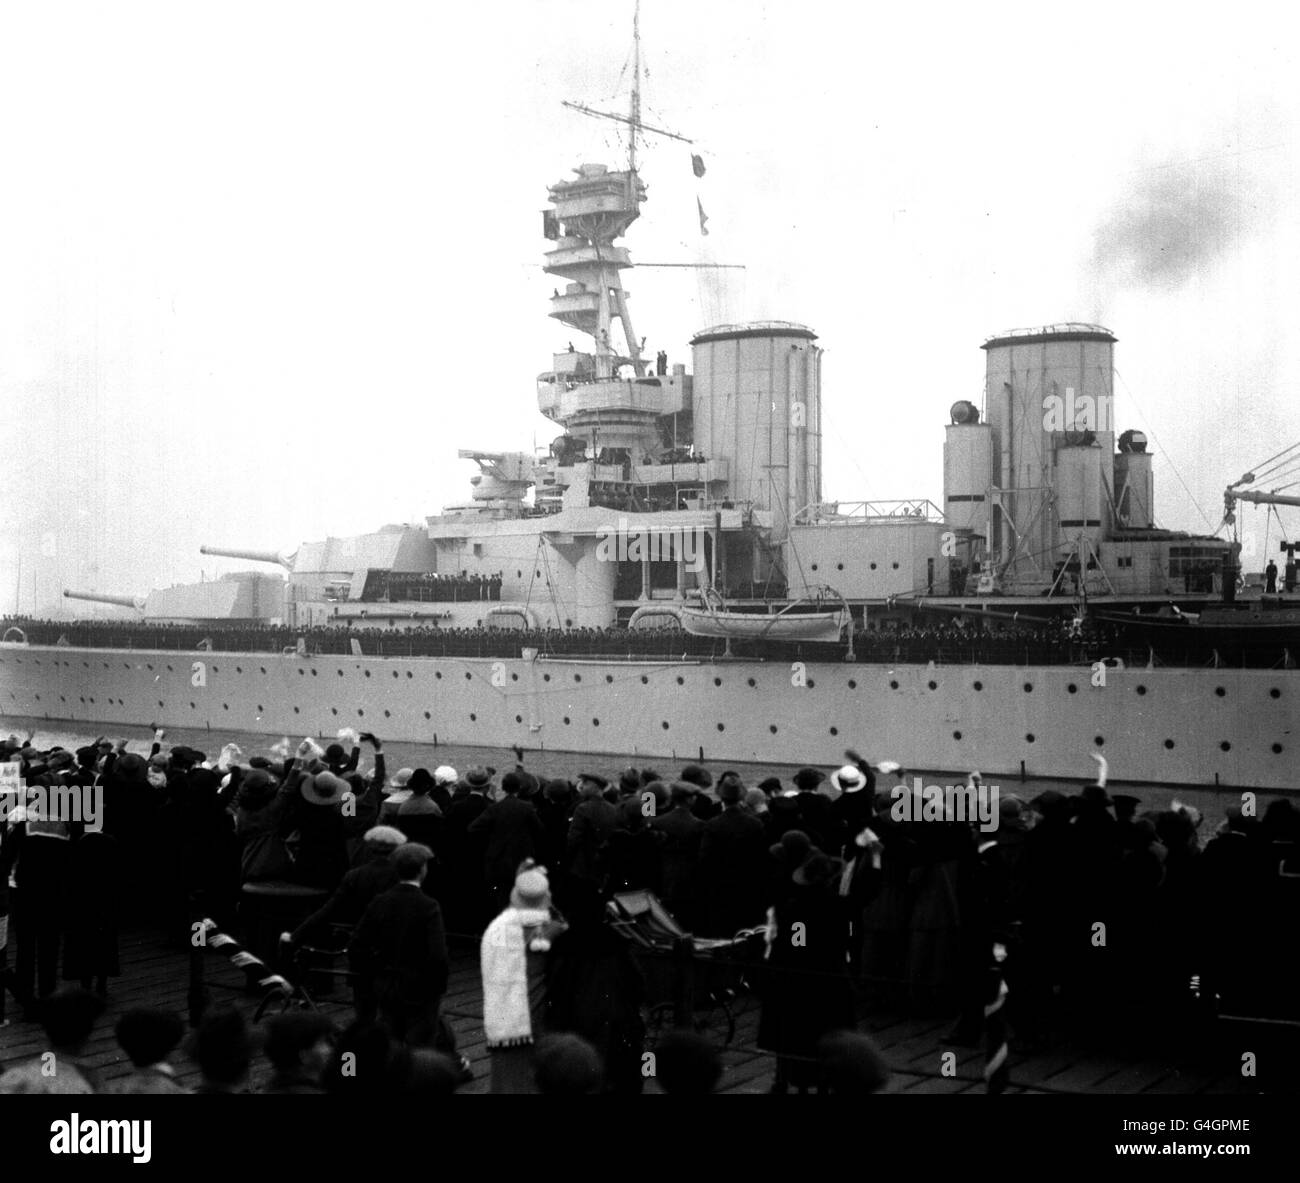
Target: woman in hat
x=808 y=992
x=513 y=962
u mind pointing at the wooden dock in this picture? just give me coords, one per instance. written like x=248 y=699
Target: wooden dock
x=158 y=976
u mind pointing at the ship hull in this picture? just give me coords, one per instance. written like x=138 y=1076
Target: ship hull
x=1156 y=726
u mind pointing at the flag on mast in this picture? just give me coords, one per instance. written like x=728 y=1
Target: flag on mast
x=703 y=217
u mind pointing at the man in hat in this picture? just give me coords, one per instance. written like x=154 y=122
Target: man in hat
x=401 y=945
x=464 y=892
x=419 y=816
x=593 y=822
x=733 y=850
x=704 y=805
x=816 y=817
x=511 y=832
x=399 y=793
x=361 y=885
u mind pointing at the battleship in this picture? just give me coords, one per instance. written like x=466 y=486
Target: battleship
x=688 y=501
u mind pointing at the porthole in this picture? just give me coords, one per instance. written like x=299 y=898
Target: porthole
x=1029 y=688
x=360 y=713
x=681 y=681
x=577 y=677
x=1098 y=741
x=895 y=565
x=893 y=685
x=160 y=702
x=394 y=673
x=873 y=566
x=262 y=668
x=436 y=673
x=295 y=710
x=1029 y=738
x=1225 y=746
x=468 y=676
x=388 y=714
x=427 y=715
x=1275 y=693
x=772 y=728
x=835 y=731
x=1072 y=688
x=595 y=722
x=665 y=724
x=148 y=667
x=814 y=566
x=752 y=682
x=1141 y=689
x=1277 y=749
x=839 y=566
x=515 y=678
x=239 y=669
x=722 y=727
x=852 y=684
x=473 y=718
x=225 y=706
x=303 y=673
x=1169 y=745
x=334 y=710
x=193 y=706
x=717 y=681
x=214 y=669
x=811 y=683
x=367 y=673
x=566 y=720
x=409 y=674
x=644 y=680
x=609 y=677
x=314 y=673
x=956 y=735
x=259 y=707
x=340 y=673
x=1220 y=691
x=978 y=685
x=933 y=685
x=546 y=677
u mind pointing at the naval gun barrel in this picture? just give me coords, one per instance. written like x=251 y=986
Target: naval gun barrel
x=256 y=556
x=135 y=602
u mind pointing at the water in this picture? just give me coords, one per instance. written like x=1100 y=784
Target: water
x=1210 y=801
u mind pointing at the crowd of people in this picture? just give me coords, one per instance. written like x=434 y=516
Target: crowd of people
x=855 y=883
x=946 y=642
x=430 y=587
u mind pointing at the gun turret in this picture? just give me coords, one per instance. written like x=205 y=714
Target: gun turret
x=254 y=556
x=136 y=602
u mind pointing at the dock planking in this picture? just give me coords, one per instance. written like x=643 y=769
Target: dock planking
x=157 y=975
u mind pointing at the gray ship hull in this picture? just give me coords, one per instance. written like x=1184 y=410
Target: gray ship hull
x=1156 y=726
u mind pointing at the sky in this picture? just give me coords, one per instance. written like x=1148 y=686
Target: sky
x=265 y=267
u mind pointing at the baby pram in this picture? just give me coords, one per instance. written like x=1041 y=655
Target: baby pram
x=699 y=982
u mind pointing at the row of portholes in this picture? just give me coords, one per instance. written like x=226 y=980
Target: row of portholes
x=1072 y=688
x=840 y=566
